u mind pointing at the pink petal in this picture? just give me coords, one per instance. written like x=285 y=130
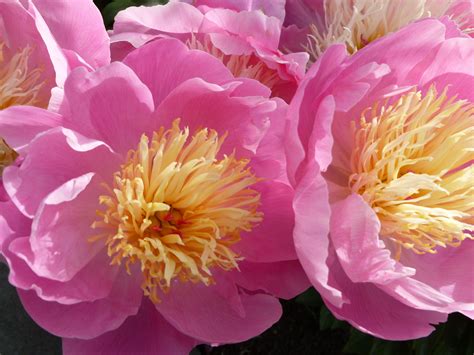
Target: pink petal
x=200 y=104
x=86 y=320
x=311 y=234
x=93 y=282
x=373 y=311
x=271 y=240
x=20 y=124
x=177 y=64
x=68 y=211
x=46 y=164
x=110 y=104
x=77 y=26
x=355 y=235
x=145 y=333
x=285 y=279
x=217 y=313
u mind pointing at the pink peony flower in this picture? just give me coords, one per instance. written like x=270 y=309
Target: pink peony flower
x=153 y=212
x=245 y=41
x=381 y=157
x=41 y=41
x=314 y=25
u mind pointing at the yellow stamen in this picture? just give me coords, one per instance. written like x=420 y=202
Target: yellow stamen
x=241 y=66
x=356 y=23
x=7 y=155
x=177 y=210
x=18 y=84
x=413 y=163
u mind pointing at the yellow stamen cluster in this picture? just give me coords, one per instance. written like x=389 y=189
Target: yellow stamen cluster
x=7 y=155
x=413 y=162
x=356 y=23
x=241 y=66
x=18 y=84
x=177 y=209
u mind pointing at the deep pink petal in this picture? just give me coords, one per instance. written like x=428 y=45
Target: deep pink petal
x=285 y=279
x=271 y=240
x=145 y=333
x=86 y=320
x=217 y=313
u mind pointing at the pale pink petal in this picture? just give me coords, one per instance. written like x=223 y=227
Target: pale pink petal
x=355 y=235
x=275 y=8
x=20 y=124
x=77 y=26
x=145 y=333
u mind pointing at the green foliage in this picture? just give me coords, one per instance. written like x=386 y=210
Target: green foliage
x=456 y=337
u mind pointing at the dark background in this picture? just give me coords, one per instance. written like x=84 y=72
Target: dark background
x=306 y=327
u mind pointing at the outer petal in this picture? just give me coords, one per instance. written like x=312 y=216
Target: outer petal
x=284 y=279
x=86 y=320
x=47 y=165
x=372 y=311
x=217 y=313
x=77 y=26
x=110 y=104
x=312 y=213
x=93 y=282
x=146 y=333
x=20 y=124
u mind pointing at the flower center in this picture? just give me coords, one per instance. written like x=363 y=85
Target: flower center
x=413 y=163
x=18 y=84
x=359 y=22
x=241 y=66
x=7 y=155
x=177 y=209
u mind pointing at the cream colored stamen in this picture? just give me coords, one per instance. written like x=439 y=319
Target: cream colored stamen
x=177 y=210
x=356 y=23
x=19 y=85
x=413 y=163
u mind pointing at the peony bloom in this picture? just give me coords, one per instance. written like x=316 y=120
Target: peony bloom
x=152 y=213
x=245 y=41
x=314 y=25
x=383 y=169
